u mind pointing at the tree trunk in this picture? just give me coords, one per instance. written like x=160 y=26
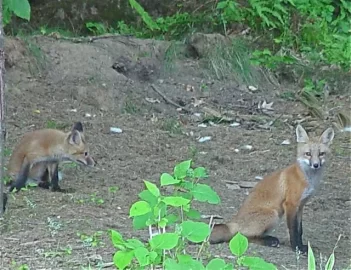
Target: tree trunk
x=2 y=110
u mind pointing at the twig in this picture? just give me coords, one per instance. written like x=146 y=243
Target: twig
x=212 y=216
x=88 y=39
x=168 y=100
x=105 y=265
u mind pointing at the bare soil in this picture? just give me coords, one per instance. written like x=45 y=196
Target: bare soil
x=106 y=84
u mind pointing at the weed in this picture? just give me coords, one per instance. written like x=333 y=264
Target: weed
x=130 y=107
x=113 y=189
x=172 y=125
x=58 y=253
x=232 y=61
x=54 y=226
x=29 y=203
x=91 y=240
x=156 y=212
x=51 y=124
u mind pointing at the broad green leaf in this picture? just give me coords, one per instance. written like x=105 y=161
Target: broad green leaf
x=172 y=218
x=200 y=172
x=310 y=258
x=163 y=222
x=139 y=208
x=147 y=196
x=164 y=241
x=133 y=243
x=193 y=214
x=216 y=264
x=238 y=245
x=167 y=179
x=187 y=262
x=256 y=263
x=181 y=169
x=330 y=263
x=160 y=209
x=140 y=222
x=152 y=188
x=142 y=255
x=117 y=239
x=176 y=201
x=195 y=231
x=205 y=193
x=21 y=8
x=171 y=264
x=122 y=259
x=153 y=255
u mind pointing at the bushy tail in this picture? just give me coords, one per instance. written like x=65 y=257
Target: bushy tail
x=24 y=172
x=222 y=233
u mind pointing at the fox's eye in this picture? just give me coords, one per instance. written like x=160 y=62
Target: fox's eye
x=322 y=153
x=308 y=154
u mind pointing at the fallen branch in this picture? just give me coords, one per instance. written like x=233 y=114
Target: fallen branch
x=89 y=39
x=169 y=101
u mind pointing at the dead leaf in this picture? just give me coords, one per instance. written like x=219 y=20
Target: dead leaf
x=152 y=100
x=197 y=102
x=247 y=184
x=189 y=88
x=265 y=106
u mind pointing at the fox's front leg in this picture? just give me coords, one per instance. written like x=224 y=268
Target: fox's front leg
x=55 y=179
x=294 y=222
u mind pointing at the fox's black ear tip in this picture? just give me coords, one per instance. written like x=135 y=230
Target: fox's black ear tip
x=78 y=126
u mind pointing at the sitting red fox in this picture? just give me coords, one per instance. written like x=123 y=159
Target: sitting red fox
x=283 y=192
x=38 y=154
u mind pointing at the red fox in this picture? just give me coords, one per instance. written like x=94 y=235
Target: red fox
x=38 y=154
x=283 y=192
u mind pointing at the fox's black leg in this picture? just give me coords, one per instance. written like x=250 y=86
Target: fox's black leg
x=55 y=179
x=4 y=202
x=303 y=248
x=45 y=181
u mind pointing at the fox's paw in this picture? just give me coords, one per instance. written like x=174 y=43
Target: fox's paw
x=12 y=187
x=44 y=185
x=303 y=249
x=271 y=241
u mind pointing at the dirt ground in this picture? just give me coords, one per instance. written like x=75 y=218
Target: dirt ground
x=106 y=84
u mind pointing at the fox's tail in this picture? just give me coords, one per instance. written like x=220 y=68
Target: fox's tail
x=22 y=176
x=223 y=233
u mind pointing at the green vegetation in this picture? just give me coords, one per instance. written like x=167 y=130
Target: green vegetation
x=316 y=31
x=158 y=212
x=20 y=8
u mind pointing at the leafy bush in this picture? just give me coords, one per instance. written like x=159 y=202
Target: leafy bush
x=319 y=30
x=20 y=8
x=158 y=212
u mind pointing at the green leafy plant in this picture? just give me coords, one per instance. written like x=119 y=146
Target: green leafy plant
x=157 y=212
x=21 y=8
x=93 y=240
x=267 y=59
x=96 y=28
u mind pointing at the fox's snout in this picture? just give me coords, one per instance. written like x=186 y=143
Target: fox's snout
x=316 y=163
x=87 y=160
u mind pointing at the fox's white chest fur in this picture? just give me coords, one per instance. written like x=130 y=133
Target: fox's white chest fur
x=313 y=178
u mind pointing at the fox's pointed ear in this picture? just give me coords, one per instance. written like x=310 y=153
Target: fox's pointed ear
x=74 y=137
x=301 y=134
x=77 y=126
x=327 y=136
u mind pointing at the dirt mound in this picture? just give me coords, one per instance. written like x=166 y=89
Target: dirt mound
x=108 y=83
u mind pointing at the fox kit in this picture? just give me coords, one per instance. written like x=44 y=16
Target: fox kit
x=283 y=192
x=38 y=154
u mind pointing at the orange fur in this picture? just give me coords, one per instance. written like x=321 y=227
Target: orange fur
x=284 y=192
x=48 y=143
